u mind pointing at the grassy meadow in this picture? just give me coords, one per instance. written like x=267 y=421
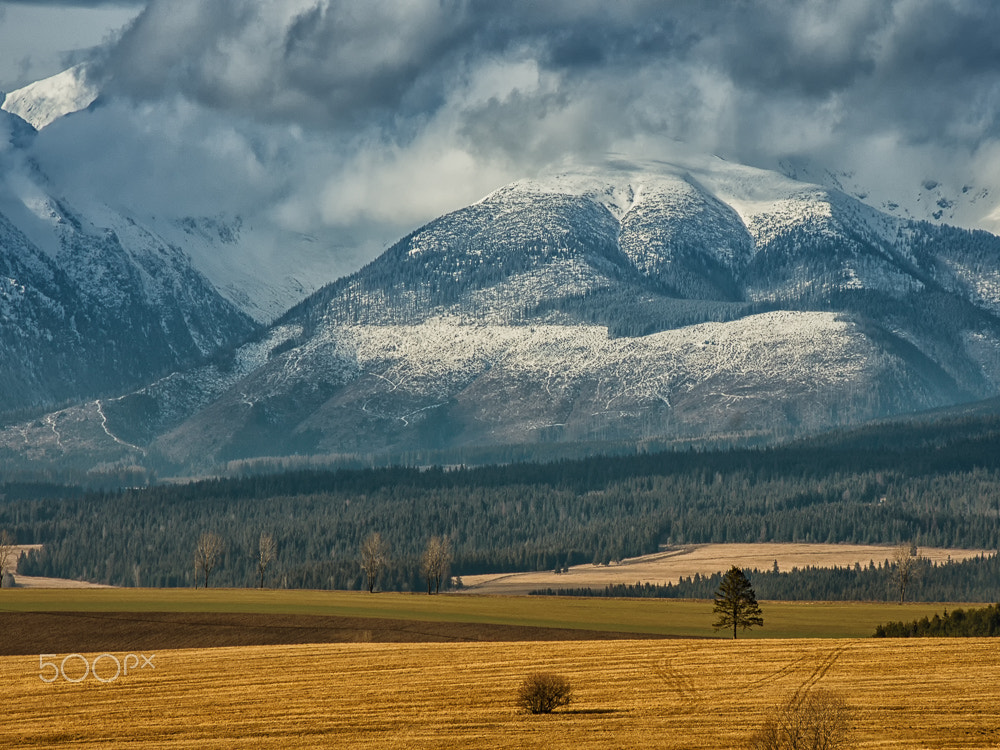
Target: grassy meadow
x=657 y=616
x=692 y=694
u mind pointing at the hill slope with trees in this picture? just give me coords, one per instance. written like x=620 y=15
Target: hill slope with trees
x=935 y=484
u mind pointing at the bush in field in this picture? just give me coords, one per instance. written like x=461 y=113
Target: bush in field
x=541 y=693
x=820 y=722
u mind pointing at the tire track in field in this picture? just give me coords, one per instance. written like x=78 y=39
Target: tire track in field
x=679 y=681
x=785 y=671
x=816 y=675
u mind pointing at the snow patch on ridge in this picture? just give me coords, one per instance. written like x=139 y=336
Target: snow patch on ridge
x=768 y=354
x=42 y=102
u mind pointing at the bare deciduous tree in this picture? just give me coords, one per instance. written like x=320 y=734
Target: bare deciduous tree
x=206 y=555
x=435 y=561
x=374 y=556
x=267 y=551
x=905 y=562
x=7 y=561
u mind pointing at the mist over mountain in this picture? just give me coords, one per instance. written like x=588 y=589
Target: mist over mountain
x=351 y=126
x=92 y=302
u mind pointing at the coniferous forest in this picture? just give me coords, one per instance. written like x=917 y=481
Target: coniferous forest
x=925 y=484
x=974 y=622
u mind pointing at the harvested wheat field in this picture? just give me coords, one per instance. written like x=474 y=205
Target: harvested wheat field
x=627 y=694
x=671 y=565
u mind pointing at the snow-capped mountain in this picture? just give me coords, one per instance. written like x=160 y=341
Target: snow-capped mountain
x=920 y=196
x=254 y=262
x=631 y=303
x=43 y=102
x=92 y=303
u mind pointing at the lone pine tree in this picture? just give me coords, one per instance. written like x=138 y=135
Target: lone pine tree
x=736 y=604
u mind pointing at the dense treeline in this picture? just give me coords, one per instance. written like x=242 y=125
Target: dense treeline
x=933 y=485
x=976 y=579
x=974 y=622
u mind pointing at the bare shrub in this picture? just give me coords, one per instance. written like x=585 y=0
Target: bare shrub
x=820 y=722
x=542 y=693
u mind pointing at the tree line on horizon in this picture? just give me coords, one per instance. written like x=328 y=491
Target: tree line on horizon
x=894 y=485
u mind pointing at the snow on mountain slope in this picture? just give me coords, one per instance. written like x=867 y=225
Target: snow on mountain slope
x=254 y=261
x=932 y=194
x=628 y=303
x=42 y=102
x=96 y=304
x=446 y=382
x=249 y=265
x=261 y=268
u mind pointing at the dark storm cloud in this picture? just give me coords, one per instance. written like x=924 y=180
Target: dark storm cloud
x=364 y=114
x=339 y=63
x=808 y=49
x=919 y=66
x=81 y=3
x=939 y=72
x=335 y=65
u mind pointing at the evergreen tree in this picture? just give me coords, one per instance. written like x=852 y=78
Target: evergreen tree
x=736 y=603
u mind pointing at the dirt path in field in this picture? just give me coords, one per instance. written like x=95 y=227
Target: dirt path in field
x=38 y=582
x=32 y=633
x=705 y=559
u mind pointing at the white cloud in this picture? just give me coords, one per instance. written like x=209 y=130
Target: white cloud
x=371 y=118
x=40 y=39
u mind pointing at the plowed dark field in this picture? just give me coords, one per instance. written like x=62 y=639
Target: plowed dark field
x=67 y=632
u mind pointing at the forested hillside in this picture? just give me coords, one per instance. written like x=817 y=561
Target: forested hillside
x=931 y=485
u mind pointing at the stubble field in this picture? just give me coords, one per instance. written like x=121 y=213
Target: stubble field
x=628 y=694
x=148 y=668
x=671 y=565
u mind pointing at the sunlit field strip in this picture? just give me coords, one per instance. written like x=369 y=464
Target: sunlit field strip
x=665 y=617
x=628 y=694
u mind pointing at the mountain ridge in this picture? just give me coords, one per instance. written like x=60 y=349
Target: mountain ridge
x=630 y=303
x=91 y=305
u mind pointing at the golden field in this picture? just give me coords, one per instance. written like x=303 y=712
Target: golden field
x=671 y=565
x=628 y=694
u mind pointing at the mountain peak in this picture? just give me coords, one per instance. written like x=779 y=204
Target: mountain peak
x=631 y=304
x=43 y=102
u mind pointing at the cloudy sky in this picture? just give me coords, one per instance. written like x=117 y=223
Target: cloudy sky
x=370 y=117
x=39 y=38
